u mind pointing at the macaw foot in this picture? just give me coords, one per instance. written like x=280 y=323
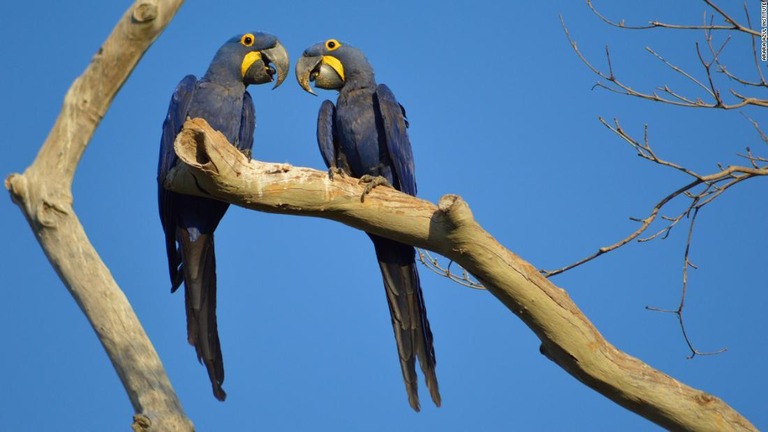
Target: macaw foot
x=247 y=153
x=371 y=182
x=333 y=171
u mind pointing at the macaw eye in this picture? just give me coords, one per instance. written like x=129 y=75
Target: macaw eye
x=247 y=40
x=332 y=44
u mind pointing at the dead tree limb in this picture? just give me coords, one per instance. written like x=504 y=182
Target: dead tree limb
x=216 y=169
x=731 y=23
x=710 y=59
x=700 y=191
x=44 y=194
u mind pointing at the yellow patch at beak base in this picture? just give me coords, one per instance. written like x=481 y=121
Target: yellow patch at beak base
x=334 y=63
x=250 y=58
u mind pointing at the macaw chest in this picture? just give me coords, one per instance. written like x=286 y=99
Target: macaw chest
x=222 y=109
x=361 y=139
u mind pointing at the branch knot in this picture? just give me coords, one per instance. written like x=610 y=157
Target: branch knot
x=144 y=12
x=455 y=209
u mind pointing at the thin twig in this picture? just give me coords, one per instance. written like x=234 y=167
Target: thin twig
x=707 y=65
x=657 y=24
x=464 y=278
x=714 y=185
x=759 y=130
x=679 y=70
x=610 y=81
x=679 y=311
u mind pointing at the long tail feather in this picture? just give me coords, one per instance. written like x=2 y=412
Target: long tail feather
x=409 y=316
x=200 y=298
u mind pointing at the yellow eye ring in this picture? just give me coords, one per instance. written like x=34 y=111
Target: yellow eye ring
x=247 y=40
x=332 y=44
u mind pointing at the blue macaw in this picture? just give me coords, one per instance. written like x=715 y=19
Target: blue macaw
x=221 y=99
x=364 y=136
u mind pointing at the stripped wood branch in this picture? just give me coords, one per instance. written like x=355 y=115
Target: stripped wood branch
x=44 y=194
x=215 y=169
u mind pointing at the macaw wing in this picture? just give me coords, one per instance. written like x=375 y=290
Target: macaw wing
x=325 y=137
x=247 y=125
x=174 y=120
x=398 y=144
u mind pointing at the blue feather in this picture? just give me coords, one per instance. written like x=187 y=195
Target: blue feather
x=398 y=144
x=365 y=134
x=325 y=137
x=189 y=221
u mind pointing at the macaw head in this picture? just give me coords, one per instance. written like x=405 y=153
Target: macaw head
x=331 y=65
x=251 y=58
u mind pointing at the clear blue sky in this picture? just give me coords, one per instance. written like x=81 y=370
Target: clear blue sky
x=501 y=111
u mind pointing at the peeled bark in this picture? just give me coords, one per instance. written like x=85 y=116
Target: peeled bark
x=215 y=169
x=44 y=194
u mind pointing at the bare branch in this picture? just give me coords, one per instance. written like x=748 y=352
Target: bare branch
x=759 y=130
x=713 y=185
x=644 y=149
x=746 y=100
x=681 y=72
x=734 y=25
x=612 y=83
x=462 y=277
x=567 y=336
x=708 y=70
x=727 y=17
x=679 y=311
x=664 y=232
x=622 y=88
x=43 y=193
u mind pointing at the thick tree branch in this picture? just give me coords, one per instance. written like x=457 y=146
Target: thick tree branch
x=216 y=169
x=43 y=193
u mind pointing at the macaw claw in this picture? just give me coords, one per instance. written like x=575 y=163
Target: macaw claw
x=371 y=182
x=334 y=171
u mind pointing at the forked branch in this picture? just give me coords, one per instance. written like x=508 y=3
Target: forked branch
x=461 y=276
x=731 y=24
x=700 y=190
x=710 y=60
x=43 y=193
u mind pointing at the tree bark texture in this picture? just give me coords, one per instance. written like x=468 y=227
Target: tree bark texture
x=44 y=194
x=214 y=168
